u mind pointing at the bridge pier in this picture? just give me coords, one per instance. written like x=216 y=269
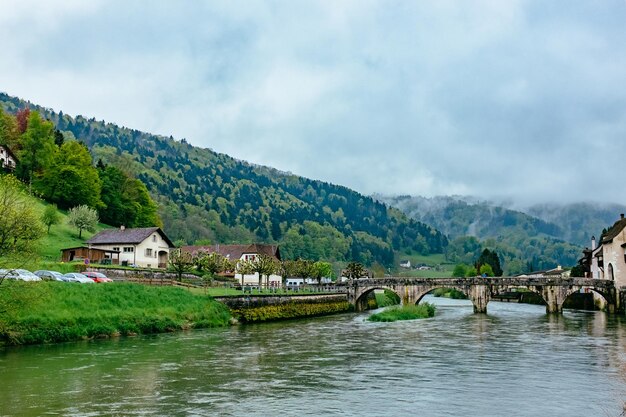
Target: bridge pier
x=480 y=296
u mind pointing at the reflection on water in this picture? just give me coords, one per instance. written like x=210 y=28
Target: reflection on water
x=515 y=361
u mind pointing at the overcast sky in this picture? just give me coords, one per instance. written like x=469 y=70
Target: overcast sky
x=518 y=99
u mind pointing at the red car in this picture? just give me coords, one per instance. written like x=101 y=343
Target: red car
x=97 y=277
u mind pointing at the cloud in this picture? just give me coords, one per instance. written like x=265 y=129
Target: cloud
x=518 y=99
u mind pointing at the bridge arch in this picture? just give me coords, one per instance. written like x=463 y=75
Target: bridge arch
x=605 y=296
x=538 y=291
x=460 y=289
x=361 y=297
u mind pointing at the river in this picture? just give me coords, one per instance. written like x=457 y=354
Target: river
x=515 y=361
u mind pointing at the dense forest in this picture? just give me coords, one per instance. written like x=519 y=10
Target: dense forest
x=204 y=196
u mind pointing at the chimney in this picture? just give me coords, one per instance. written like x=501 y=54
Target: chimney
x=122 y=228
x=593 y=243
x=622 y=216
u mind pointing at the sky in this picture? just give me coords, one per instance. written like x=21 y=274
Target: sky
x=523 y=100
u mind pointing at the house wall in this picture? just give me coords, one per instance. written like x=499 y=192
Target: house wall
x=144 y=254
x=6 y=160
x=614 y=255
x=253 y=279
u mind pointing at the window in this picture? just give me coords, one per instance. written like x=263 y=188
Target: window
x=116 y=249
x=128 y=249
x=154 y=238
x=149 y=252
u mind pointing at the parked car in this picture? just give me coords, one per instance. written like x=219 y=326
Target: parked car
x=49 y=275
x=97 y=276
x=76 y=277
x=19 y=274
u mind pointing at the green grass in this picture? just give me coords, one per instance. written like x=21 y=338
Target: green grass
x=44 y=312
x=413 y=273
x=61 y=236
x=410 y=312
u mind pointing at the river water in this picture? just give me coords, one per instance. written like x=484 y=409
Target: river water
x=514 y=361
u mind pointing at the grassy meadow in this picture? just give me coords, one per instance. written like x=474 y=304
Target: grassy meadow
x=44 y=312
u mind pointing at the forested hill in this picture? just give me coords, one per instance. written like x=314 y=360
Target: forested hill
x=205 y=196
x=523 y=241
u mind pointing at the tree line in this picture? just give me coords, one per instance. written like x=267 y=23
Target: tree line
x=61 y=171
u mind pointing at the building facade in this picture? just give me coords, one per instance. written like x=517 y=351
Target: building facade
x=608 y=259
x=7 y=159
x=147 y=247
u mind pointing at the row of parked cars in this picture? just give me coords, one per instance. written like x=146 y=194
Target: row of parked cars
x=43 y=275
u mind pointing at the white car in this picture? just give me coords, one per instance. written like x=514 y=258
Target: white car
x=19 y=274
x=76 y=277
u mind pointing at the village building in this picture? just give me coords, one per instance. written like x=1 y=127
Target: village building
x=608 y=259
x=146 y=247
x=7 y=159
x=557 y=272
x=236 y=253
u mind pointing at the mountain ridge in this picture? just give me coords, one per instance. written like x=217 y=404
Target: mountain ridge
x=204 y=196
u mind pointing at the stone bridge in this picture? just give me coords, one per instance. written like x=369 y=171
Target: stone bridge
x=480 y=290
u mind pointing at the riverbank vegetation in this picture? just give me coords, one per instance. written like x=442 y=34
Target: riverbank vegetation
x=409 y=312
x=46 y=312
x=290 y=310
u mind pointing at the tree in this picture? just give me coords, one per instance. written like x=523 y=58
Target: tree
x=9 y=135
x=83 y=217
x=180 y=262
x=264 y=265
x=459 y=270
x=126 y=200
x=486 y=270
x=492 y=259
x=355 y=270
x=471 y=272
x=211 y=263
x=20 y=227
x=71 y=178
x=321 y=270
x=37 y=148
x=50 y=216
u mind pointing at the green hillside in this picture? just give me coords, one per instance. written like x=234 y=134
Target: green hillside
x=524 y=242
x=205 y=196
x=47 y=249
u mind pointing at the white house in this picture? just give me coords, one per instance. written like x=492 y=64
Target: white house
x=7 y=159
x=238 y=253
x=147 y=247
x=608 y=260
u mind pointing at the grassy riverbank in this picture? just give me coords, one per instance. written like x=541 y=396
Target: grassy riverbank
x=410 y=312
x=45 y=312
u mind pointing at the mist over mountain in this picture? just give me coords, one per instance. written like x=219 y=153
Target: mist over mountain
x=544 y=235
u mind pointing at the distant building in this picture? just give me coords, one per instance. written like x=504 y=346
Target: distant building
x=236 y=253
x=7 y=159
x=405 y=264
x=147 y=247
x=557 y=272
